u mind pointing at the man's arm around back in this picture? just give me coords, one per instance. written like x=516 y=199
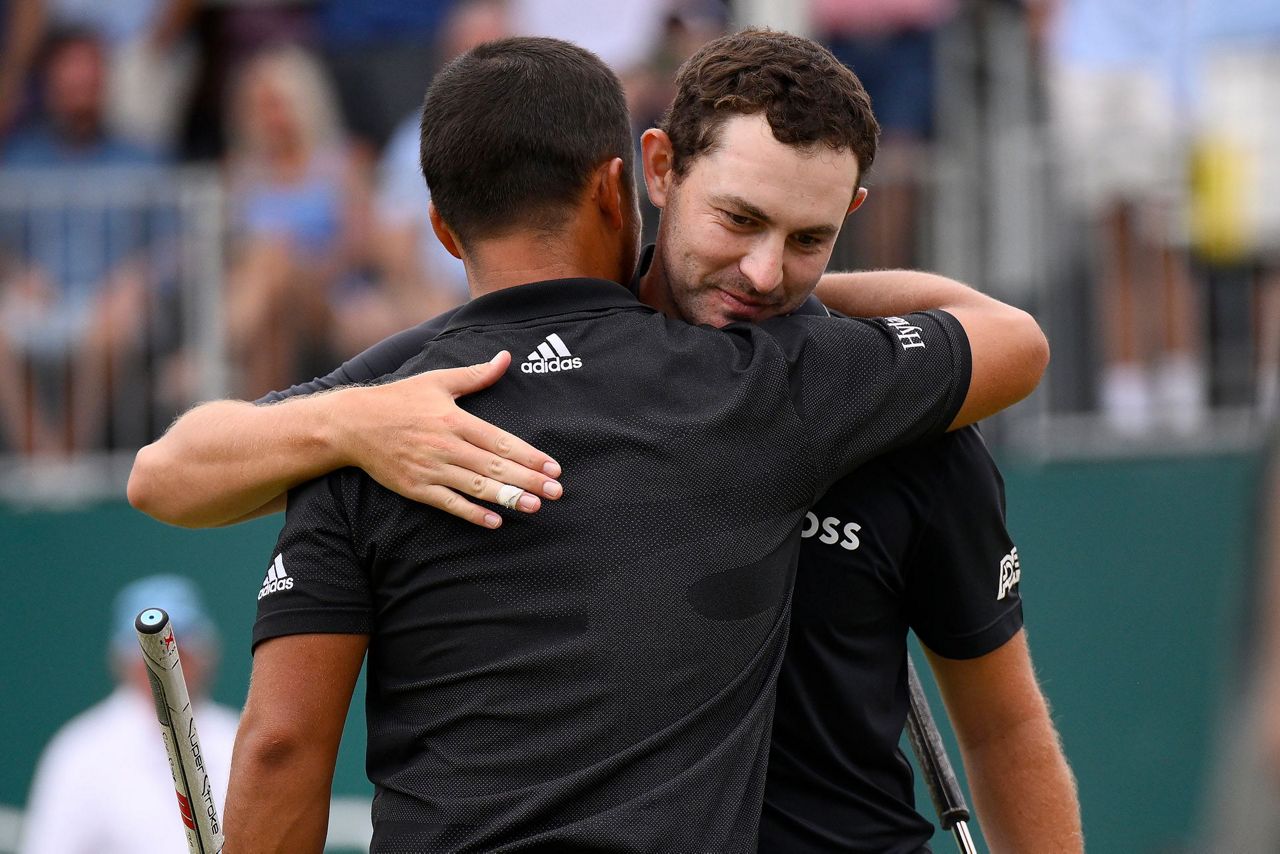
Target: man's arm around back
x=1009 y=351
x=228 y=460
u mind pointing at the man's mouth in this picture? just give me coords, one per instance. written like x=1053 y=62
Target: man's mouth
x=742 y=306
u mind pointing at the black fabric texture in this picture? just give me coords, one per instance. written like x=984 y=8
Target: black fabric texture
x=591 y=678
x=379 y=360
x=915 y=540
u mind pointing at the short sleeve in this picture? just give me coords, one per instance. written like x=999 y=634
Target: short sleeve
x=381 y=359
x=865 y=386
x=962 y=574
x=316 y=582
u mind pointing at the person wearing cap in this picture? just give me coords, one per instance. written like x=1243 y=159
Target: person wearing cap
x=102 y=784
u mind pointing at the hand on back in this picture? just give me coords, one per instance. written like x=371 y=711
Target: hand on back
x=413 y=438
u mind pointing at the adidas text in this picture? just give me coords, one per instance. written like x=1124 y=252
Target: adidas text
x=551 y=357
x=551 y=366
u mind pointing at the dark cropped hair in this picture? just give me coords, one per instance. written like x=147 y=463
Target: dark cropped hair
x=807 y=95
x=513 y=129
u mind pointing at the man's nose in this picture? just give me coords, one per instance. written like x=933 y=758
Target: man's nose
x=762 y=266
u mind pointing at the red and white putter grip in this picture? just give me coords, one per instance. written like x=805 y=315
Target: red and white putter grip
x=178 y=726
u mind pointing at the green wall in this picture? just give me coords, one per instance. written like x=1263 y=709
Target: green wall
x=1132 y=575
x=1133 y=578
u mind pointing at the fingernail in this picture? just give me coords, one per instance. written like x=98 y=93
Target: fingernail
x=552 y=489
x=497 y=356
x=551 y=468
x=493 y=520
x=528 y=503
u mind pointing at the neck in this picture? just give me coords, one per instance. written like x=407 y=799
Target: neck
x=655 y=286
x=523 y=257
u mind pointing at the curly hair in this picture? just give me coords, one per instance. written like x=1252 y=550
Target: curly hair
x=806 y=94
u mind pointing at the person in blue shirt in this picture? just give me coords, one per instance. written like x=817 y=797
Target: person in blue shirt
x=76 y=287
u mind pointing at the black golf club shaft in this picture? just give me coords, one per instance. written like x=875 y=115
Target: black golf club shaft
x=931 y=755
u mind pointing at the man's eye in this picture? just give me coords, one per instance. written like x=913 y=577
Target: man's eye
x=738 y=219
x=808 y=241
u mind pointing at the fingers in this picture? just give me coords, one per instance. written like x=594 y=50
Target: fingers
x=452 y=485
x=501 y=445
x=457 y=505
x=509 y=496
x=480 y=433
x=475 y=462
x=487 y=489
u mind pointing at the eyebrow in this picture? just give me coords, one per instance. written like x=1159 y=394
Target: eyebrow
x=752 y=211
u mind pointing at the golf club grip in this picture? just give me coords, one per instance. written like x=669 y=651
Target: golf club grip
x=178 y=727
x=931 y=754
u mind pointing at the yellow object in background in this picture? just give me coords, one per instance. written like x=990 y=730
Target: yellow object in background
x=1220 y=223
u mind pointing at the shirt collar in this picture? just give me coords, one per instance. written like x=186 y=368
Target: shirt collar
x=543 y=299
x=646 y=261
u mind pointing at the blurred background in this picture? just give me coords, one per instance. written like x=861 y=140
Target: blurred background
x=210 y=198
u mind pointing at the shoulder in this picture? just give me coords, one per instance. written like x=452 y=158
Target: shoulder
x=956 y=457
x=954 y=465
x=380 y=361
x=389 y=354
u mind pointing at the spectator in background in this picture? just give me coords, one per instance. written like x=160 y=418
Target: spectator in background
x=621 y=32
x=21 y=28
x=377 y=51
x=650 y=85
x=421 y=275
x=73 y=131
x=149 y=59
x=73 y=807
x=299 y=207
x=1236 y=215
x=890 y=45
x=73 y=283
x=1117 y=84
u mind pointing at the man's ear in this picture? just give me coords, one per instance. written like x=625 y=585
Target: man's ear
x=858 y=198
x=443 y=234
x=658 y=159
x=610 y=193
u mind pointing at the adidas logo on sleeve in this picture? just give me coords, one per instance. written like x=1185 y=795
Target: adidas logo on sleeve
x=277 y=579
x=551 y=357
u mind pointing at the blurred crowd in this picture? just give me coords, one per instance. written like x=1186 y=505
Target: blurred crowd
x=1158 y=118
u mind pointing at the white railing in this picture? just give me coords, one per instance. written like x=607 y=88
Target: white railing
x=995 y=226
x=111 y=305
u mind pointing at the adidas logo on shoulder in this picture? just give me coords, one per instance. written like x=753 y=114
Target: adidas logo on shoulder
x=277 y=579
x=551 y=357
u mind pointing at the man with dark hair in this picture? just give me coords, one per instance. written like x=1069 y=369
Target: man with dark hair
x=602 y=678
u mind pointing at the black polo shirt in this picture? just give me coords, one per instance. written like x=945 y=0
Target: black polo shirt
x=915 y=539
x=600 y=676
